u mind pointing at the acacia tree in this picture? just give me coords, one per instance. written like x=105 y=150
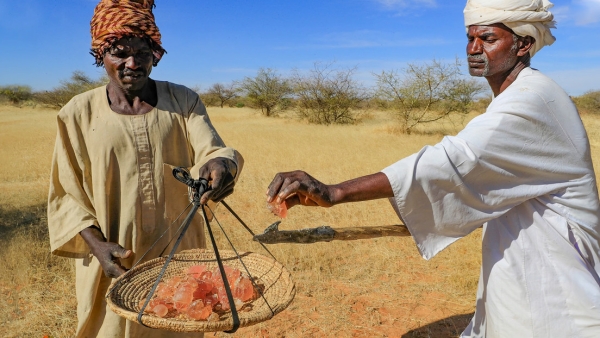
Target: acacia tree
x=222 y=93
x=267 y=90
x=326 y=95
x=426 y=93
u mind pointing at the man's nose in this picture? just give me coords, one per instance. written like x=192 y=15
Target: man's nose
x=475 y=47
x=132 y=63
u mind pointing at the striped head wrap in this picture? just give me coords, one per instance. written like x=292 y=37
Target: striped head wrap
x=114 y=19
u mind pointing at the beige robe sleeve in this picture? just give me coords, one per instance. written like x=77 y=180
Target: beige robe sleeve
x=70 y=207
x=206 y=144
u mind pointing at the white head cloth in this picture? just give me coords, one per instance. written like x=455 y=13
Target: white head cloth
x=524 y=17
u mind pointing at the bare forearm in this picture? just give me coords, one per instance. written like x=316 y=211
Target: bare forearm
x=91 y=235
x=363 y=188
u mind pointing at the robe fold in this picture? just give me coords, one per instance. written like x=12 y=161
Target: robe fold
x=113 y=171
x=524 y=171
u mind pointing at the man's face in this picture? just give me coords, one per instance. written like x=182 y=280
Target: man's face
x=128 y=63
x=491 y=50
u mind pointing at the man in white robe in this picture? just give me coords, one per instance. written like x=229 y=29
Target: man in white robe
x=523 y=170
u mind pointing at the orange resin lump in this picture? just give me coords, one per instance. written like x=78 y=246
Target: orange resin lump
x=278 y=209
x=200 y=294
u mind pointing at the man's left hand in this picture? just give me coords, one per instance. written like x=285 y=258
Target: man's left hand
x=220 y=172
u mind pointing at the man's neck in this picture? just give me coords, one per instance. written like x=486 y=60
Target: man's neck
x=130 y=102
x=499 y=82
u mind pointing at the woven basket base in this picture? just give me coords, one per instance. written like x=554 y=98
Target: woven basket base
x=133 y=286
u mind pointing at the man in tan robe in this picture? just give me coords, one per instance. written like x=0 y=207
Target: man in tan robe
x=112 y=193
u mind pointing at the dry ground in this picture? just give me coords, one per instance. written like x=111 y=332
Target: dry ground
x=368 y=288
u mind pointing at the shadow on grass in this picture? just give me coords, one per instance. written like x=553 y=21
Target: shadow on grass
x=447 y=327
x=13 y=221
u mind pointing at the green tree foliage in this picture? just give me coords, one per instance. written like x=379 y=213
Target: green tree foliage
x=16 y=94
x=77 y=84
x=588 y=102
x=328 y=96
x=426 y=93
x=267 y=90
x=219 y=94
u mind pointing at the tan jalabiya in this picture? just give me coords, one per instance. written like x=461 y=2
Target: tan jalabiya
x=112 y=171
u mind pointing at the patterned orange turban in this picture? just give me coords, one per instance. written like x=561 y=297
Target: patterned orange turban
x=114 y=19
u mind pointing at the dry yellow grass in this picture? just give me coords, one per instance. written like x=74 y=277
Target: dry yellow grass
x=362 y=288
x=26 y=142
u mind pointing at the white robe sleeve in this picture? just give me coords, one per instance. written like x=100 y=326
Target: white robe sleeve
x=510 y=154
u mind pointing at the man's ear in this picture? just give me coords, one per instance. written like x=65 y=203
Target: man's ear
x=525 y=43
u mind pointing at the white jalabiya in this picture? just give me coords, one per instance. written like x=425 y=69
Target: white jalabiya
x=524 y=17
x=523 y=170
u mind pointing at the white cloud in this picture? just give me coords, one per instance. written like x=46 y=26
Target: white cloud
x=367 y=39
x=402 y=4
x=589 y=12
x=561 y=14
x=578 y=12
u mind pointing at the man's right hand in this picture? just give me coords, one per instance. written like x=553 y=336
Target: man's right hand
x=107 y=253
x=298 y=187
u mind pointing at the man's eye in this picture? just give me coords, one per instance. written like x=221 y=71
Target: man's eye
x=144 y=54
x=118 y=53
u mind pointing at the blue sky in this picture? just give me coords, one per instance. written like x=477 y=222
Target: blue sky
x=42 y=42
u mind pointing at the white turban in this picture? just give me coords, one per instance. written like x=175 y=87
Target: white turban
x=524 y=17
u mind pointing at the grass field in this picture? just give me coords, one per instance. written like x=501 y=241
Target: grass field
x=364 y=288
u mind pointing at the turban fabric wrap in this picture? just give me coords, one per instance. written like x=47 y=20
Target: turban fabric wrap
x=524 y=17
x=114 y=19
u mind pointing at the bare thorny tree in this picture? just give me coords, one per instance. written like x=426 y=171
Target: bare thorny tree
x=426 y=93
x=328 y=96
x=222 y=93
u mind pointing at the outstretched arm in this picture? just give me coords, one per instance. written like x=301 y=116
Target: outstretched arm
x=298 y=187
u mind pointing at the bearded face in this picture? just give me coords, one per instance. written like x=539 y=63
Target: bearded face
x=491 y=50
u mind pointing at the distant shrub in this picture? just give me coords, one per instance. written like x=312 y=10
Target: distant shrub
x=328 y=96
x=15 y=94
x=588 y=102
x=480 y=105
x=209 y=100
x=240 y=105
x=425 y=93
x=77 y=84
x=219 y=94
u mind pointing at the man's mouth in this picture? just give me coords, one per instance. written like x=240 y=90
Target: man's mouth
x=132 y=76
x=475 y=60
x=476 y=63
